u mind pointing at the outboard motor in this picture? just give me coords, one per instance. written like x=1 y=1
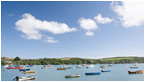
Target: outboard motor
x=17 y=78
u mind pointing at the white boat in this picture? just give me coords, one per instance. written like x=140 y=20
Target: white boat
x=78 y=66
x=45 y=67
x=133 y=67
x=72 y=76
x=25 y=78
x=90 y=65
x=6 y=65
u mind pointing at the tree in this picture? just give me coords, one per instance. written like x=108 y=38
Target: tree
x=17 y=59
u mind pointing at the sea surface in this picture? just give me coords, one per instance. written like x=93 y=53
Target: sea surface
x=119 y=72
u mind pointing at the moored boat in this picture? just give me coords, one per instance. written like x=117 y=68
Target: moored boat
x=6 y=65
x=72 y=76
x=69 y=67
x=62 y=68
x=78 y=66
x=24 y=69
x=90 y=66
x=30 y=66
x=105 y=70
x=84 y=64
x=15 y=67
x=110 y=65
x=135 y=72
x=103 y=66
x=93 y=73
x=29 y=72
x=25 y=78
x=133 y=67
x=45 y=67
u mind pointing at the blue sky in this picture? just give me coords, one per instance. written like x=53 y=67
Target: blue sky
x=71 y=29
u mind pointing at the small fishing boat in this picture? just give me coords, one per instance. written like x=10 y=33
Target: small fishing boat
x=15 y=67
x=60 y=68
x=45 y=67
x=29 y=72
x=93 y=73
x=25 y=78
x=30 y=66
x=110 y=65
x=6 y=66
x=105 y=70
x=133 y=67
x=69 y=67
x=135 y=72
x=72 y=76
x=78 y=66
x=84 y=64
x=24 y=69
x=90 y=66
x=103 y=66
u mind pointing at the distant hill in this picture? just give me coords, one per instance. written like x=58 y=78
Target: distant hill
x=57 y=61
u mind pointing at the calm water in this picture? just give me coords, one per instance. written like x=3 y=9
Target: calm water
x=118 y=72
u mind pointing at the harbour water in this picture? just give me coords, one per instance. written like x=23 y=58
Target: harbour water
x=119 y=72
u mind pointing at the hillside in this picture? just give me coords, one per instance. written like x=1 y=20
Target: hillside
x=57 y=61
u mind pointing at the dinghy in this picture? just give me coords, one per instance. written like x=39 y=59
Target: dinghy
x=93 y=73
x=29 y=72
x=105 y=70
x=24 y=69
x=15 y=67
x=78 y=66
x=133 y=67
x=25 y=78
x=62 y=68
x=30 y=66
x=72 y=76
x=135 y=72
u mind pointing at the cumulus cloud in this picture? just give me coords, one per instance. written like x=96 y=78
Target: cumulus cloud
x=31 y=27
x=131 y=13
x=88 y=24
x=102 y=20
x=50 y=40
x=89 y=33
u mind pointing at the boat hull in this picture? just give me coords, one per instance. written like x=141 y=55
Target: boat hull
x=14 y=67
x=61 y=68
x=24 y=69
x=105 y=70
x=96 y=73
x=72 y=76
x=135 y=72
x=28 y=72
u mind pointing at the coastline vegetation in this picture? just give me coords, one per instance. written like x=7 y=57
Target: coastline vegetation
x=59 y=61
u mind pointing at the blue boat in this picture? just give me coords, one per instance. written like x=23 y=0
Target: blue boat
x=69 y=67
x=24 y=69
x=94 y=73
x=105 y=70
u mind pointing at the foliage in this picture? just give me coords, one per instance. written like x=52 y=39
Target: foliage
x=17 y=59
x=58 y=61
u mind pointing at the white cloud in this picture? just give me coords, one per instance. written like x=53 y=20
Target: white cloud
x=88 y=24
x=131 y=13
x=50 y=40
x=89 y=33
x=102 y=20
x=31 y=27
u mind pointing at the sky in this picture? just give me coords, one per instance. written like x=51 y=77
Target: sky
x=85 y=29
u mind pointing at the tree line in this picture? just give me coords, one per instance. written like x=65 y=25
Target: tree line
x=59 y=61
